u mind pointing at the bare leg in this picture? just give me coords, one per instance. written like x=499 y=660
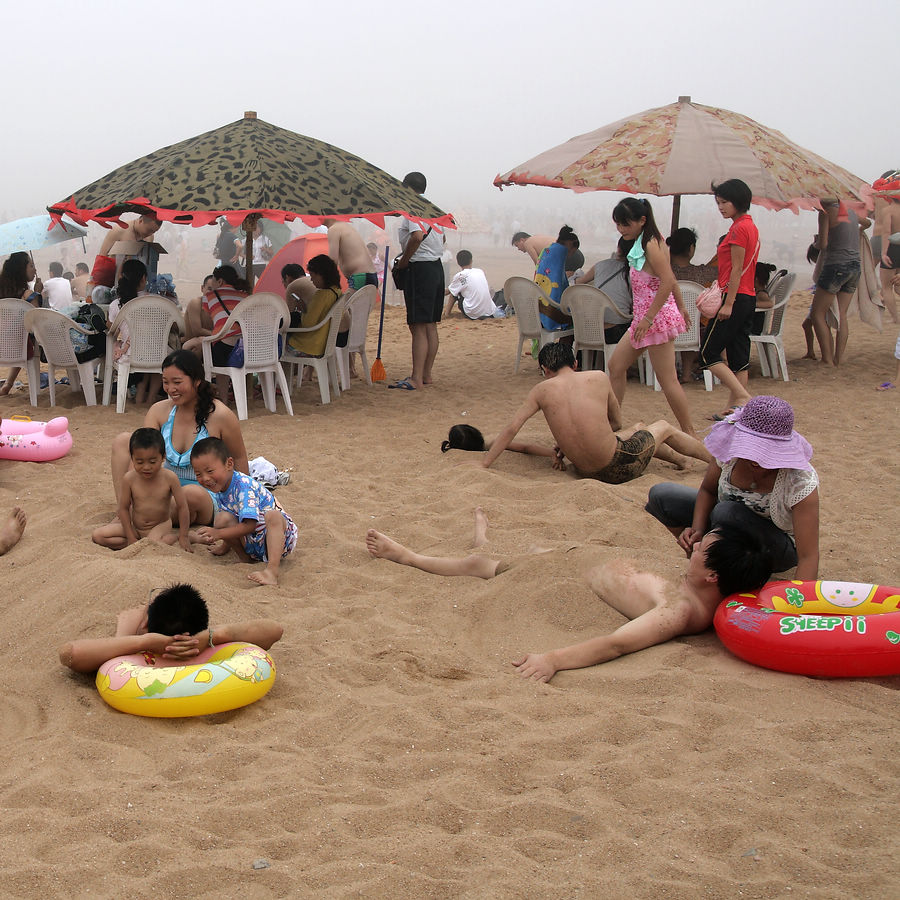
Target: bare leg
x=274 y=548
x=623 y=357
x=481 y=524
x=843 y=331
x=666 y=433
x=10 y=381
x=808 y=334
x=111 y=536
x=199 y=503
x=431 y=333
x=887 y=291
x=738 y=394
x=822 y=301
x=419 y=353
x=12 y=529
x=662 y=356
x=120 y=460
x=382 y=547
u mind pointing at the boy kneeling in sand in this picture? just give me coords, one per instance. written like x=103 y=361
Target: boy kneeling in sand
x=171 y=629
x=726 y=561
x=250 y=520
x=144 y=500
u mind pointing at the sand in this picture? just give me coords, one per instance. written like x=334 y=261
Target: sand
x=398 y=754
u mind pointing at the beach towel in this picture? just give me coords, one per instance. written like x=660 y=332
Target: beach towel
x=867 y=301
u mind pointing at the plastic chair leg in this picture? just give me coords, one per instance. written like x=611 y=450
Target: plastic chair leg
x=322 y=377
x=367 y=372
x=121 y=387
x=33 y=368
x=285 y=390
x=779 y=349
x=707 y=379
x=267 y=384
x=519 y=353
x=239 y=386
x=342 y=355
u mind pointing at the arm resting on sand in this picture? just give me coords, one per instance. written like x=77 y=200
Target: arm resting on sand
x=660 y=624
x=504 y=439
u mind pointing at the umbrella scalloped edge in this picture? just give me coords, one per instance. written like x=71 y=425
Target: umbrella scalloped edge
x=106 y=217
x=794 y=204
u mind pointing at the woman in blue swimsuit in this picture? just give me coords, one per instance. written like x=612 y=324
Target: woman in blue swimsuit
x=190 y=414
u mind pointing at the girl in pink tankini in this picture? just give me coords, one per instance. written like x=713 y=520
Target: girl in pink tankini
x=659 y=313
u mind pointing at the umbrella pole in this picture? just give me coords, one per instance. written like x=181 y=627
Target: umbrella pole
x=378 y=373
x=676 y=212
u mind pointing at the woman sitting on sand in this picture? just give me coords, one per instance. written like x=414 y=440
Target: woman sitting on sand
x=760 y=481
x=190 y=414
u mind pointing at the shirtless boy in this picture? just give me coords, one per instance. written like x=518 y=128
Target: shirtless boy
x=171 y=630
x=348 y=250
x=144 y=499
x=724 y=562
x=531 y=244
x=107 y=268
x=586 y=421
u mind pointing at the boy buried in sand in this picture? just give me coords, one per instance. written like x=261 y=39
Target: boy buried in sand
x=144 y=500
x=170 y=630
x=250 y=520
x=725 y=562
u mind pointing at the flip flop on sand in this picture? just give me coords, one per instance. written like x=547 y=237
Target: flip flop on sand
x=886 y=386
x=402 y=385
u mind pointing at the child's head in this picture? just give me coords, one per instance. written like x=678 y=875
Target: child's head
x=463 y=437
x=56 y=269
x=735 y=192
x=132 y=280
x=291 y=272
x=148 y=450
x=739 y=559
x=464 y=258
x=682 y=242
x=633 y=217
x=556 y=356
x=763 y=274
x=212 y=463
x=179 y=609
x=568 y=238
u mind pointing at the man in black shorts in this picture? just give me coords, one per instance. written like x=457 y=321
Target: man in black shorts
x=423 y=291
x=585 y=419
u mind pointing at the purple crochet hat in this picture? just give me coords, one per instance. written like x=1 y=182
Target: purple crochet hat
x=761 y=431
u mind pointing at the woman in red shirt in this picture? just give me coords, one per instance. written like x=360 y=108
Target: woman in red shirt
x=730 y=329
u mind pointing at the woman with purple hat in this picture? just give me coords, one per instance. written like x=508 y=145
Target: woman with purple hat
x=760 y=480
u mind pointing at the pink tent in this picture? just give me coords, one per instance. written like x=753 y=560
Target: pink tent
x=299 y=250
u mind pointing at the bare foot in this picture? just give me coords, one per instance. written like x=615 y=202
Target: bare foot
x=219 y=548
x=481 y=525
x=808 y=356
x=7 y=387
x=264 y=577
x=382 y=547
x=12 y=529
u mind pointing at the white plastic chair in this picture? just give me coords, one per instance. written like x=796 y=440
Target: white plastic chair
x=261 y=318
x=524 y=296
x=326 y=364
x=149 y=321
x=14 y=343
x=770 y=344
x=587 y=306
x=51 y=330
x=360 y=307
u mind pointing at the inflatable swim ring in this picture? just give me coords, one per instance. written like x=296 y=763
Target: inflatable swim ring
x=838 y=629
x=28 y=441
x=225 y=677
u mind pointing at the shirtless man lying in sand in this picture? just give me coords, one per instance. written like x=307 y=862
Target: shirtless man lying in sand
x=586 y=421
x=12 y=529
x=172 y=628
x=725 y=562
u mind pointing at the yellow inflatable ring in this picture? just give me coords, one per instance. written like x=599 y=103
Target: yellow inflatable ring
x=220 y=678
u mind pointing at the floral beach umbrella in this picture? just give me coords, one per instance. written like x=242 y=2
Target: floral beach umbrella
x=36 y=232
x=247 y=170
x=683 y=147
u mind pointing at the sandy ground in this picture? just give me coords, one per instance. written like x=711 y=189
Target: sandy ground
x=398 y=754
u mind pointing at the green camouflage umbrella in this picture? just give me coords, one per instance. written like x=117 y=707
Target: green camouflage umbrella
x=249 y=168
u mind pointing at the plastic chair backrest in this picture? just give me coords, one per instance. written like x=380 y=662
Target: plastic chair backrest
x=334 y=326
x=587 y=306
x=52 y=331
x=261 y=318
x=149 y=320
x=780 y=297
x=523 y=294
x=690 y=339
x=360 y=307
x=13 y=333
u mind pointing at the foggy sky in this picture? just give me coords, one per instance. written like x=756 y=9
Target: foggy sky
x=460 y=91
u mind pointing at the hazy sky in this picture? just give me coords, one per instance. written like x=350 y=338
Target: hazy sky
x=460 y=90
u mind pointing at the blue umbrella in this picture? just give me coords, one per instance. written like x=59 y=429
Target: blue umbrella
x=35 y=232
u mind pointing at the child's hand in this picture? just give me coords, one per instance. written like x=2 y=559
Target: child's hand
x=559 y=461
x=207 y=534
x=535 y=666
x=185 y=542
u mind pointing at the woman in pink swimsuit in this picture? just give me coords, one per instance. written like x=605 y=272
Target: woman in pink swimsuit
x=659 y=314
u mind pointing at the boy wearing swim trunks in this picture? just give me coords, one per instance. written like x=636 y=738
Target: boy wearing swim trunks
x=586 y=422
x=170 y=630
x=250 y=520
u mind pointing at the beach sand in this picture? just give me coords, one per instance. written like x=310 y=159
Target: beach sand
x=398 y=754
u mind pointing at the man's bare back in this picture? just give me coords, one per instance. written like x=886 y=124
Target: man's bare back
x=347 y=249
x=578 y=410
